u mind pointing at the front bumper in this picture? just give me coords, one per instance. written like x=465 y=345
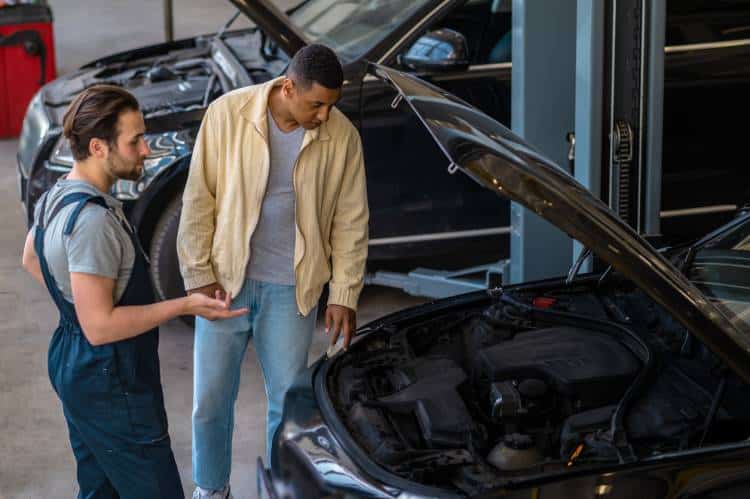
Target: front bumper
x=266 y=487
x=313 y=453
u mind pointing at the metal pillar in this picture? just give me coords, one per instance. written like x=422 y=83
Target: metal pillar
x=542 y=112
x=634 y=82
x=168 y=21
x=654 y=116
x=588 y=113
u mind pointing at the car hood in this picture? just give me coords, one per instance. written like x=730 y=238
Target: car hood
x=177 y=90
x=274 y=23
x=501 y=161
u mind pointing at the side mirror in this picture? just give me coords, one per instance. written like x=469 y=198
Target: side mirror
x=440 y=50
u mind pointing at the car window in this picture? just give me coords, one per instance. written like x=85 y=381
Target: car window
x=721 y=269
x=486 y=25
x=350 y=27
x=706 y=21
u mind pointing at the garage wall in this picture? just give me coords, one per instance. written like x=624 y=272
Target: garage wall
x=138 y=23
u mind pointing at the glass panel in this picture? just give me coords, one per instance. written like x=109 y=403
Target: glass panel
x=352 y=28
x=721 y=269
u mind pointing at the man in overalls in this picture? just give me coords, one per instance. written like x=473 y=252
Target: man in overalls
x=103 y=360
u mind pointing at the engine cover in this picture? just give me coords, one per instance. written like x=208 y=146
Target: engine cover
x=170 y=93
x=591 y=367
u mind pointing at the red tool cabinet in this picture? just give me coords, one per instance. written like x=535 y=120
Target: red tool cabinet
x=27 y=60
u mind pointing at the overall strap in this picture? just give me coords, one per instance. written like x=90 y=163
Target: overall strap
x=82 y=198
x=76 y=197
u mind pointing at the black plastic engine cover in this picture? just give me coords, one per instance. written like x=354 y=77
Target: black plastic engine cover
x=170 y=93
x=434 y=400
x=589 y=366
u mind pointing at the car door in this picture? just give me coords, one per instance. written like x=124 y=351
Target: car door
x=419 y=207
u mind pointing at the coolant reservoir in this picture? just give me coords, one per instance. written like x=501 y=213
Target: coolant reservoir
x=515 y=452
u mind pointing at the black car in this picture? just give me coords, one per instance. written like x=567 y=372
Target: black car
x=418 y=213
x=631 y=382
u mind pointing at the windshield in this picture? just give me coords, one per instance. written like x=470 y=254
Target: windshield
x=352 y=27
x=721 y=269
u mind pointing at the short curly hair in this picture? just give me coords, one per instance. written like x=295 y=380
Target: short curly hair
x=316 y=63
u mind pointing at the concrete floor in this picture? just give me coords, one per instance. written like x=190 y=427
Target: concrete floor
x=111 y=26
x=35 y=460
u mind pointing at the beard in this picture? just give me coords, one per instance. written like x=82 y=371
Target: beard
x=122 y=169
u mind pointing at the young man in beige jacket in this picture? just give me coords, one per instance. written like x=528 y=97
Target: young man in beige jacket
x=274 y=209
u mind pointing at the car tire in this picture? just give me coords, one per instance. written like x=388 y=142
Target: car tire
x=165 y=268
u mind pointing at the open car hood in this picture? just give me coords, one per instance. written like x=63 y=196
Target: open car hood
x=274 y=23
x=498 y=159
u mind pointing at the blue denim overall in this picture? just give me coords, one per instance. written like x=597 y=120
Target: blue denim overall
x=111 y=394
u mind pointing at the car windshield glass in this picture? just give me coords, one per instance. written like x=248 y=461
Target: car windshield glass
x=721 y=269
x=352 y=27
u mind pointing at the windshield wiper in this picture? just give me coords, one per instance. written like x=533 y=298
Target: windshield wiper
x=227 y=24
x=687 y=261
x=294 y=9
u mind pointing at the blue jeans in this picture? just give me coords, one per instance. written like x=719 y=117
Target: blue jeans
x=282 y=339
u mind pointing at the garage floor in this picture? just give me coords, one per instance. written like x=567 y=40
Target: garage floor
x=35 y=458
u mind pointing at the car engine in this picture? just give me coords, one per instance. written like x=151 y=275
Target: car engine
x=170 y=83
x=464 y=400
x=162 y=85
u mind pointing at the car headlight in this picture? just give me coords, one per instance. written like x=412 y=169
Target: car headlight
x=62 y=156
x=166 y=149
x=35 y=127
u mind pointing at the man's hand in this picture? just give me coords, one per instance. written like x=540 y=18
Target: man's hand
x=210 y=291
x=340 y=318
x=212 y=308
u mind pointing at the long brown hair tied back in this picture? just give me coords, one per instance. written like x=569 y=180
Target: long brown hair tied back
x=93 y=114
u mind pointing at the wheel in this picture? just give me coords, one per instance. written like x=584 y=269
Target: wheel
x=165 y=268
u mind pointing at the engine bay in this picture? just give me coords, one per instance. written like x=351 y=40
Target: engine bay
x=179 y=81
x=534 y=380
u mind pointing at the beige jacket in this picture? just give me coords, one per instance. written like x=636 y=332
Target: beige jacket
x=226 y=185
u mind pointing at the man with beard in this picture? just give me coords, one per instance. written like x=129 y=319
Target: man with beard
x=275 y=208
x=103 y=358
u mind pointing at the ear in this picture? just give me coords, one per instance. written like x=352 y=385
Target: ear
x=98 y=148
x=287 y=87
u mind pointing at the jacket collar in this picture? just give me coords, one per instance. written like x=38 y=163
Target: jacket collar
x=255 y=110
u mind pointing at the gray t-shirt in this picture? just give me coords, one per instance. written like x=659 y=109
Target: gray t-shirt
x=98 y=245
x=272 y=243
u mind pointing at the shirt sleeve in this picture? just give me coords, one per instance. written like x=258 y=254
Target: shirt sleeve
x=38 y=209
x=349 y=232
x=94 y=246
x=195 y=234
